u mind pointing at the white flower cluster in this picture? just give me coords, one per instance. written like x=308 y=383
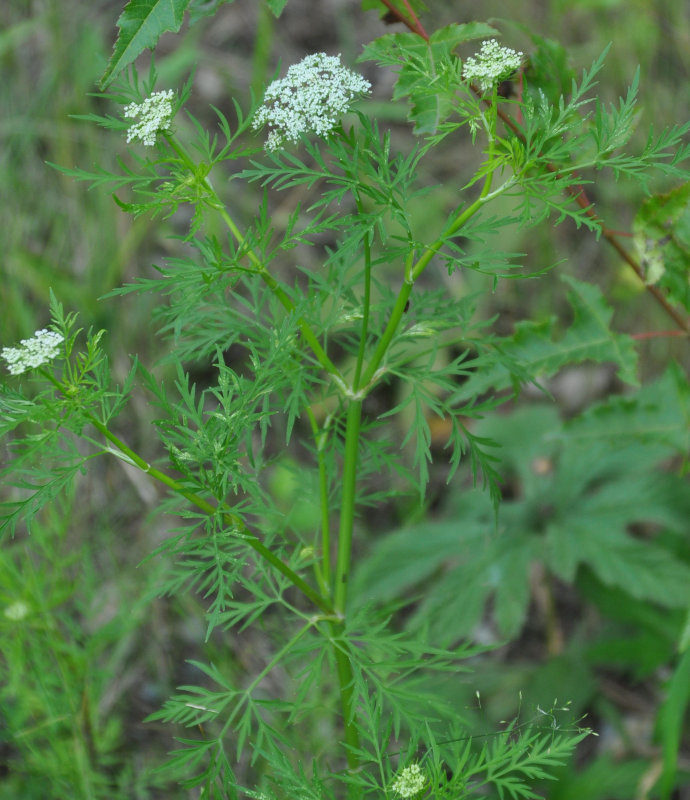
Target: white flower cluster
x=492 y=64
x=32 y=353
x=155 y=113
x=410 y=782
x=311 y=98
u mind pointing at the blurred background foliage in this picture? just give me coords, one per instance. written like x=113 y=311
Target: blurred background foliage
x=87 y=649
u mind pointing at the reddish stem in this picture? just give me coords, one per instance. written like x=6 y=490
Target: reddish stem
x=657 y=334
x=412 y=23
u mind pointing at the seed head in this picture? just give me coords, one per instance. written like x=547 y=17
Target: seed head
x=32 y=353
x=155 y=113
x=492 y=64
x=311 y=98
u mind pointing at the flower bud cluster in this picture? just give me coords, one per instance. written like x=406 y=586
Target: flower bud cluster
x=492 y=64
x=32 y=353
x=311 y=98
x=155 y=113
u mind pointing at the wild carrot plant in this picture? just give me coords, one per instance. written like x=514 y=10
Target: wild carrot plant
x=297 y=362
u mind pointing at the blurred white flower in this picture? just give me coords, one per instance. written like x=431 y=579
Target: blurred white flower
x=32 y=353
x=16 y=611
x=311 y=98
x=155 y=113
x=492 y=64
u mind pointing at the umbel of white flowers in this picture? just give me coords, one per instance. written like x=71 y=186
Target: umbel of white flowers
x=34 y=352
x=311 y=98
x=155 y=115
x=491 y=64
x=410 y=781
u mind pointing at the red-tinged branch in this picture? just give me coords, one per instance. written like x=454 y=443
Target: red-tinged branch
x=412 y=22
x=657 y=334
x=576 y=192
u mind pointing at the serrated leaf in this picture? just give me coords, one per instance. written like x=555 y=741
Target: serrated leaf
x=660 y=412
x=141 y=24
x=618 y=560
x=533 y=353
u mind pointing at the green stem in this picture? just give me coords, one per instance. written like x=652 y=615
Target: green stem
x=415 y=270
x=347 y=697
x=230 y=519
x=366 y=306
x=347 y=518
x=323 y=575
x=347 y=507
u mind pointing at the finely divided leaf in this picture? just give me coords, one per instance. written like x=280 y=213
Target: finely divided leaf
x=428 y=72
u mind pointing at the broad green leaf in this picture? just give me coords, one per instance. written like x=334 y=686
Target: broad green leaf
x=141 y=24
x=641 y=568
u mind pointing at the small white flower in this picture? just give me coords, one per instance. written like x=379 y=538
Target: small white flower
x=16 y=611
x=155 y=113
x=492 y=64
x=410 y=782
x=311 y=98
x=32 y=353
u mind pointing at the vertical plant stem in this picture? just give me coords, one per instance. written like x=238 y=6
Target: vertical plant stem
x=347 y=508
x=366 y=305
x=345 y=683
x=347 y=518
x=323 y=575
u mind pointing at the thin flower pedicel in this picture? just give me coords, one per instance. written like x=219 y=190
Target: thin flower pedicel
x=311 y=98
x=44 y=346
x=493 y=63
x=155 y=115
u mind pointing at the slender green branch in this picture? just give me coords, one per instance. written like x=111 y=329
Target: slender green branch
x=366 y=306
x=412 y=274
x=307 y=332
x=228 y=517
